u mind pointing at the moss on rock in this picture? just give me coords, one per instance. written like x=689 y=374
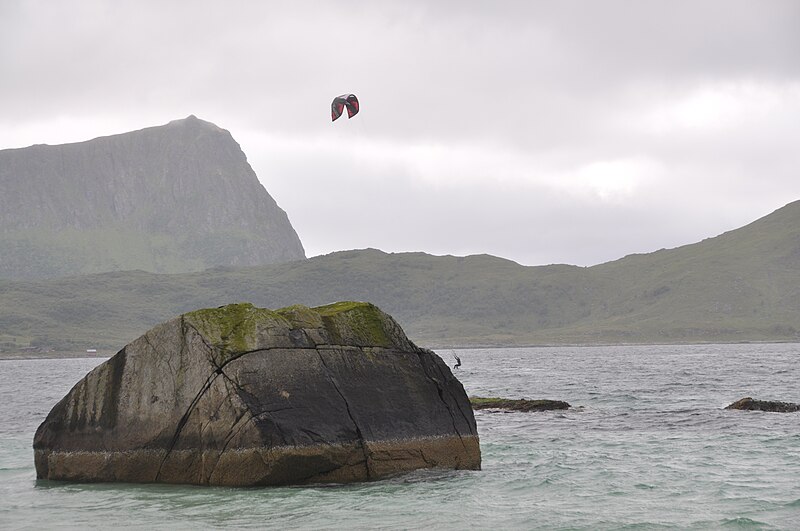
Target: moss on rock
x=357 y=323
x=301 y=316
x=238 y=328
x=233 y=328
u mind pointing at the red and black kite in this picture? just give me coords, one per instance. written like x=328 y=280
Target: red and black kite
x=340 y=102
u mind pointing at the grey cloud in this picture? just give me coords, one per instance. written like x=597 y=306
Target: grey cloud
x=560 y=85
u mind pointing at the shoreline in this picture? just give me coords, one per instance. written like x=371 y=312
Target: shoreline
x=105 y=354
x=630 y=344
x=9 y=356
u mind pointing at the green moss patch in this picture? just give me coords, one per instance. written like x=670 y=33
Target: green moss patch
x=233 y=328
x=356 y=323
x=301 y=316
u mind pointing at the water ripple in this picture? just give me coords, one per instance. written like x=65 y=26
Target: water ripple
x=647 y=445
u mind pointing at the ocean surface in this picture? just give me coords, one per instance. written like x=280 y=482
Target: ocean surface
x=647 y=445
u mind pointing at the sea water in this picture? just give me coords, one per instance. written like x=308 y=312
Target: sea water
x=646 y=445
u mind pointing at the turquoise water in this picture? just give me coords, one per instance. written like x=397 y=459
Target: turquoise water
x=647 y=445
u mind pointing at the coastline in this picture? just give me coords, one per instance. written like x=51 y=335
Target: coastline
x=105 y=354
x=54 y=355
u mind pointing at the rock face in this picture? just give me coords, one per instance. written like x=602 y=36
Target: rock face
x=244 y=396
x=750 y=404
x=174 y=198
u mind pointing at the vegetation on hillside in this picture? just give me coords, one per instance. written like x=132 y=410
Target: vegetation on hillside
x=743 y=285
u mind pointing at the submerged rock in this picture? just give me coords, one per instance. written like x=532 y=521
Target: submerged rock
x=750 y=404
x=243 y=396
x=517 y=405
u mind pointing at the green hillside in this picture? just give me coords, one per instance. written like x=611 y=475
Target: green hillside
x=743 y=285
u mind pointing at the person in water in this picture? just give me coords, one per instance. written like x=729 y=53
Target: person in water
x=458 y=361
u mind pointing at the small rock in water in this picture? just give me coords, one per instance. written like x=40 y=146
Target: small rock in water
x=517 y=405
x=750 y=404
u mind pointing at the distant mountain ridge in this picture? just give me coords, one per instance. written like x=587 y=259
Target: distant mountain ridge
x=743 y=285
x=173 y=198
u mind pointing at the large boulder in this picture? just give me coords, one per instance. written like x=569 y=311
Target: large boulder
x=243 y=396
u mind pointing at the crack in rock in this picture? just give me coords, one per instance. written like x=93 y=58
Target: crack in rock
x=359 y=434
x=441 y=390
x=460 y=409
x=206 y=386
x=184 y=419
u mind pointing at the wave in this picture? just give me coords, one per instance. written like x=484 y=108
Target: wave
x=743 y=522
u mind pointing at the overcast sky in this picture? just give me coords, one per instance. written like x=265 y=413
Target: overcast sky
x=543 y=132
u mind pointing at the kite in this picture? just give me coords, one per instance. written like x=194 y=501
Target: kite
x=340 y=102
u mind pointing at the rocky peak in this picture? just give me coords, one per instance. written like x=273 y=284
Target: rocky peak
x=173 y=198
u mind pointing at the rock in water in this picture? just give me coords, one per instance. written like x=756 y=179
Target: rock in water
x=509 y=404
x=245 y=396
x=749 y=404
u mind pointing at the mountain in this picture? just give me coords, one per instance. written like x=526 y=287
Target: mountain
x=743 y=285
x=175 y=198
